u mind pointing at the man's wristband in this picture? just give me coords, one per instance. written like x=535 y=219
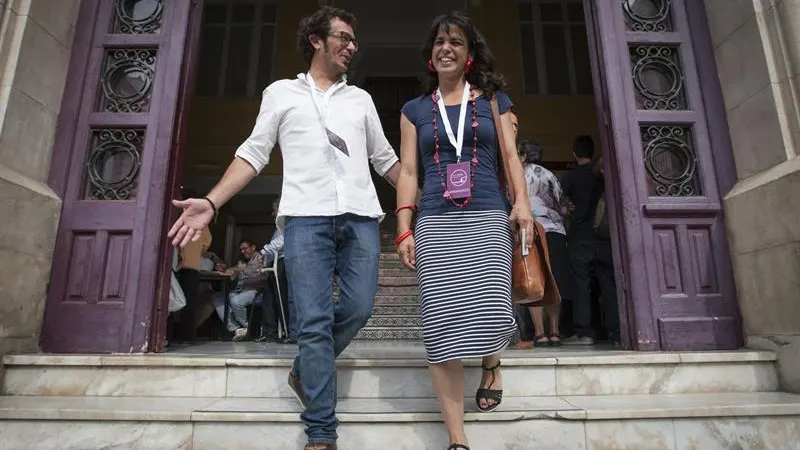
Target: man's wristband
x=213 y=207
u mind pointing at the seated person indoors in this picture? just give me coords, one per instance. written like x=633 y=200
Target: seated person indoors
x=249 y=280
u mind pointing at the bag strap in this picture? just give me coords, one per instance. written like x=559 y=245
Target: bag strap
x=505 y=175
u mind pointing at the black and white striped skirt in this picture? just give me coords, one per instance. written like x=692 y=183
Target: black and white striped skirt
x=464 y=275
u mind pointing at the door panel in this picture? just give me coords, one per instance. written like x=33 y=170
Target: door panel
x=102 y=289
x=679 y=279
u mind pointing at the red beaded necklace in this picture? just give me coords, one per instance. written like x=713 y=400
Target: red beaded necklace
x=473 y=162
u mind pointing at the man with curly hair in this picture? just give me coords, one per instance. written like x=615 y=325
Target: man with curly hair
x=328 y=132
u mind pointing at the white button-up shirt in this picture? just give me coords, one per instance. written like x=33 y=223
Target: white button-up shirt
x=318 y=179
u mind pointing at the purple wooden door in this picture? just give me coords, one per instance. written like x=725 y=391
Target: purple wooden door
x=674 y=275
x=110 y=166
x=174 y=178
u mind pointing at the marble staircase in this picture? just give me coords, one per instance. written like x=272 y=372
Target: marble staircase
x=234 y=396
x=395 y=316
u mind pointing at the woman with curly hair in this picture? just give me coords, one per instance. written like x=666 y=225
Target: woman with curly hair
x=461 y=247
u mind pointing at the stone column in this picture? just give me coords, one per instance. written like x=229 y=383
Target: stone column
x=757 y=46
x=35 y=43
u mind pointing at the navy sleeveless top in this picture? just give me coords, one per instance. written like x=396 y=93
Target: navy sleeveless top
x=487 y=194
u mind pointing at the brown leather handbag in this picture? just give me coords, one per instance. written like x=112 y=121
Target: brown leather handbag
x=532 y=281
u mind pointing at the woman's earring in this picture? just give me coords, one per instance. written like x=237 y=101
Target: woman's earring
x=468 y=67
x=431 y=69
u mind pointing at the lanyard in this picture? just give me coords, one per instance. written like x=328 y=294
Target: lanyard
x=456 y=141
x=322 y=106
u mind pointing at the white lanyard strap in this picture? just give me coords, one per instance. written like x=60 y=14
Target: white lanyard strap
x=321 y=107
x=458 y=140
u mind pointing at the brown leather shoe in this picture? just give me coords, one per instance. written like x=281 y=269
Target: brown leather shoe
x=318 y=446
x=523 y=345
x=297 y=389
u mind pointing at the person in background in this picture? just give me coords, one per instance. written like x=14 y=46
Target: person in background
x=276 y=306
x=523 y=337
x=549 y=208
x=188 y=275
x=249 y=280
x=589 y=253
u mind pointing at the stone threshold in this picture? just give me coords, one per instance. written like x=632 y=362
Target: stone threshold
x=399 y=410
x=403 y=359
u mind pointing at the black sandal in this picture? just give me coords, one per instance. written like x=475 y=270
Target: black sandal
x=557 y=342
x=489 y=394
x=457 y=446
x=539 y=341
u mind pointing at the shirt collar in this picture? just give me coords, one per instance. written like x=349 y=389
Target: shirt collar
x=342 y=79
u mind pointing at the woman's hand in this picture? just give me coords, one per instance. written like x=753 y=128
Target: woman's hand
x=407 y=251
x=521 y=218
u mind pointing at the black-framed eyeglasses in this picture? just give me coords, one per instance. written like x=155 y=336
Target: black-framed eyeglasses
x=345 y=38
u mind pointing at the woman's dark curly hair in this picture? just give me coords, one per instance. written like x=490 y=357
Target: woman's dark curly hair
x=483 y=73
x=319 y=24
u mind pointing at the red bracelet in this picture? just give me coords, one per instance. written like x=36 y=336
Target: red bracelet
x=403 y=237
x=400 y=208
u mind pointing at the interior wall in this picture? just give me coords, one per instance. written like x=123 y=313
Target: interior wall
x=218 y=126
x=552 y=121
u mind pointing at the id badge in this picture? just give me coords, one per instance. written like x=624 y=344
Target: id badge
x=458 y=180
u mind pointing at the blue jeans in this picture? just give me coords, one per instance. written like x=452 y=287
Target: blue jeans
x=238 y=301
x=315 y=249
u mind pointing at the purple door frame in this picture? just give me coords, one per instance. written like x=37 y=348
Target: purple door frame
x=607 y=148
x=175 y=174
x=673 y=268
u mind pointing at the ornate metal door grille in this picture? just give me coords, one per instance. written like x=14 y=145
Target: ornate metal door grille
x=678 y=271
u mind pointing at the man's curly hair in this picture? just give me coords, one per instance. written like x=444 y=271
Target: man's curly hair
x=319 y=24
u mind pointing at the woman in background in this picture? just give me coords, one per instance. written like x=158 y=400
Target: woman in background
x=549 y=209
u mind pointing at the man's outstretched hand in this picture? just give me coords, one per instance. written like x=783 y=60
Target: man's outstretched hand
x=197 y=214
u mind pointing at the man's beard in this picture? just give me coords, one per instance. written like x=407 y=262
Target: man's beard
x=334 y=63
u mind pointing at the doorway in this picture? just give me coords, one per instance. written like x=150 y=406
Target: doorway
x=553 y=95
x=670 y=246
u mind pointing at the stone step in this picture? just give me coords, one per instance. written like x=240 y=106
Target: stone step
x=646 y=422
x=396 y=299
x=397 y=281
x=395 y=272
x=388 y=310
x=390 y=256
x=397 y=290
x=389 y=334
x=394 y=321
x=380 y=370
x=393 y=265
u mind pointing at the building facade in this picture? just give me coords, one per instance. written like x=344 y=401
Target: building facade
x=108 y=106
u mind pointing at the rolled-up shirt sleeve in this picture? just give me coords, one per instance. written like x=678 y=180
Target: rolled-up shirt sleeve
x=380 y=151
x=258 y=146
